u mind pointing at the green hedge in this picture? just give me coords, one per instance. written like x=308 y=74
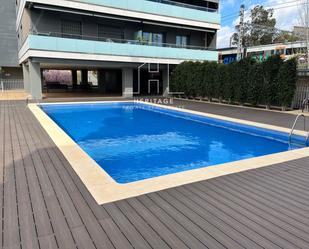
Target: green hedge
x=271 y=82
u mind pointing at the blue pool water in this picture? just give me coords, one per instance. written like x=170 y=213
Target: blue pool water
x=134 y=141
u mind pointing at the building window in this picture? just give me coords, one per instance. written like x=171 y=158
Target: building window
x=71 y=29
x=106 y=33
x=181 y=40
x=156 y=39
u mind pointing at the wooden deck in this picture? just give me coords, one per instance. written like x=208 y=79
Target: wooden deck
x=45 y=205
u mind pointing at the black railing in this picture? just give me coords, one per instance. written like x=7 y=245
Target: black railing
x=117 y=40
x=185 y=5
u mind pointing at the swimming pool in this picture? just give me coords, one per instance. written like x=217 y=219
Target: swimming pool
x=135 y=141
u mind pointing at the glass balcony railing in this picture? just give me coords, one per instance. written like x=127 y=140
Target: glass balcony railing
x=140 y=41
x=164 y=8
x=185 y=5
x=131 y=48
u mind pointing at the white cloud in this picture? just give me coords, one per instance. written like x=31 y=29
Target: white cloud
x=287 y=16
x=224 y=35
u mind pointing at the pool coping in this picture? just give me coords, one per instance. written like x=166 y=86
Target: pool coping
x=105 y=189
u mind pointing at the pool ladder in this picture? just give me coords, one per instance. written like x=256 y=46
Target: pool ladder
x=301 y=115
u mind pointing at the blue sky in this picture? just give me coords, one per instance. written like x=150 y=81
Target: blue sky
x=232 y=6
x=287 y=15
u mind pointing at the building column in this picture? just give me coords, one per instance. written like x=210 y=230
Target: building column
x=101 y=81
x=26 y=77
x=35 y=80
x=84 y=76
x=127 y=82
x=74 y=78
x=165 y=79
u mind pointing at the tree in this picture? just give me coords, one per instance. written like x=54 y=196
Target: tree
x=287 y=82
x=285 y=36
x=259 y=29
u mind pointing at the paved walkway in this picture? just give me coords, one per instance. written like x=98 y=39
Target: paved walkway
x=45 y=205
x=284 y=119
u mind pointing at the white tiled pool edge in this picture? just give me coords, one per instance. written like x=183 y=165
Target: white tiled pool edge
x=104 y=189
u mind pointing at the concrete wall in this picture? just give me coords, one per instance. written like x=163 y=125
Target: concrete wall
x=25 y=27
x=12 y=72
x=8 y=41
x=47 y=21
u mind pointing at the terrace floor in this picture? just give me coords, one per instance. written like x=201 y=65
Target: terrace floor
x=45 y=205
x=13 y=95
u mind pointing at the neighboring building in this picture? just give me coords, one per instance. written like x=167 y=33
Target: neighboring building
x=112 y=39
x=262 y=52
x=11 y=71
x=300 y=32
x=227 y=55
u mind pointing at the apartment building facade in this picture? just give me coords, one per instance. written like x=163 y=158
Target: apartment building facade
x=10 y=69
x=130 y=45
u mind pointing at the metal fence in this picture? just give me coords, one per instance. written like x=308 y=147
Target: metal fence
x=11 y=84
x=302 y=92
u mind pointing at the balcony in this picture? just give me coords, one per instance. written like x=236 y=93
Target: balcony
x=127 y=48
x=163 y=8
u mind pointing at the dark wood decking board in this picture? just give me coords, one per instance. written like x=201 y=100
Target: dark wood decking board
x=45 y=205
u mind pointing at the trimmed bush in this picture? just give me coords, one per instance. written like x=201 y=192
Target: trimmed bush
x=175 y=79
x=221 y=78
x=241 y=84
x=269 y=82
x=178 y=78
x=208 y=84
x=189 y=79
x=230 y=85
x=287 y=82
x=198 y=73
x=271 y=73
x=255 y=84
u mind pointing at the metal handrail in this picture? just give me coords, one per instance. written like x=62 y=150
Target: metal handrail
x=304 y=104
x=307 y=138
x=294 y=125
